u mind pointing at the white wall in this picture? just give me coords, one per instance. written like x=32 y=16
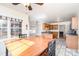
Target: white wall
x=39 y=29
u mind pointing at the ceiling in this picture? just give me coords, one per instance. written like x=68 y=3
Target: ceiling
x=48 y=12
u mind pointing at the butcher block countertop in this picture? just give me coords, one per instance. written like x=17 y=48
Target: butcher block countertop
x=31 y=46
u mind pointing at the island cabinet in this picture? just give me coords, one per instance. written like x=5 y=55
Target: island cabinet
x=78 y=43
x=55 y=35
x=72 y=41
x=74 y=22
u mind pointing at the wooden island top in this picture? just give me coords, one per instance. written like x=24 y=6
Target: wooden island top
x=37 y=46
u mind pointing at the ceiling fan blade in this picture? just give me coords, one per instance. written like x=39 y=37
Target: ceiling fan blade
x=39 y=3
x=15 y=3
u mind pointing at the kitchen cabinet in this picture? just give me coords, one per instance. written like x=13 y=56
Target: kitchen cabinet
x=50 y=27
x=56 y=27
x=46 y=26
x=74 y=22
x=72 y=41
x=3 y=28
x=55 y=34
x=78 y=43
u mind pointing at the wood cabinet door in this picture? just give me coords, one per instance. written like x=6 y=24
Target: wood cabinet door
x=72 y=42
x=55 y=34
x=45 y=26
x=74 y=23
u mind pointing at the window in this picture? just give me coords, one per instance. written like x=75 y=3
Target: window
x=9 y=26
x=3 y=28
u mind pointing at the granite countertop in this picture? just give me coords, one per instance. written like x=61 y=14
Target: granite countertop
x=73 y=34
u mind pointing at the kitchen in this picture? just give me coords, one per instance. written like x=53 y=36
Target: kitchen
x=21 y=29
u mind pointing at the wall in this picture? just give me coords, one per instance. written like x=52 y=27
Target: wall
x=14 y=14
x=39 y=28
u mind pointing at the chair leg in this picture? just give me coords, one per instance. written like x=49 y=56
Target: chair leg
x=6 y=52
x=45 y=52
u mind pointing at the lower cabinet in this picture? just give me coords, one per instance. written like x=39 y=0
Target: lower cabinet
x=55 y=34
x=72 y=41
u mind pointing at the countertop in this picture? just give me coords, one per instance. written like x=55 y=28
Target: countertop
x=73 y=34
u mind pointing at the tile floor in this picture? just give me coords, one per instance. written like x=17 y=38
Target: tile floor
x=61 y=49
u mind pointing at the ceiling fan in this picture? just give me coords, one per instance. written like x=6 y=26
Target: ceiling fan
x=28 y=6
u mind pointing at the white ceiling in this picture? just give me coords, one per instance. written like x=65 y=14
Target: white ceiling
x=48 y=12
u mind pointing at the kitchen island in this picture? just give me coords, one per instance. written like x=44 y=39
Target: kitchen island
x=72 y=41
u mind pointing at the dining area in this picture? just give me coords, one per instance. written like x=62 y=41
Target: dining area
x=30 y=46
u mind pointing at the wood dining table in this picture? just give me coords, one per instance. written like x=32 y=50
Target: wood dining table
x=37 y=45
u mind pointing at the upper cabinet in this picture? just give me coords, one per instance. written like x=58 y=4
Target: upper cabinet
x=74 y=22
x=50 y=27
x=45 y=26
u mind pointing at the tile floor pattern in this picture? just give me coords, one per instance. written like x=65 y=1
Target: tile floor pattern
x=61 y=49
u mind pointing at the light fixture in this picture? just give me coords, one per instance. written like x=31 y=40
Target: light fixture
x=27 y=5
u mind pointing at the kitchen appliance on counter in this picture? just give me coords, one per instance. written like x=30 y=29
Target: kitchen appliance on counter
x=22 y=35
x=73 y=32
